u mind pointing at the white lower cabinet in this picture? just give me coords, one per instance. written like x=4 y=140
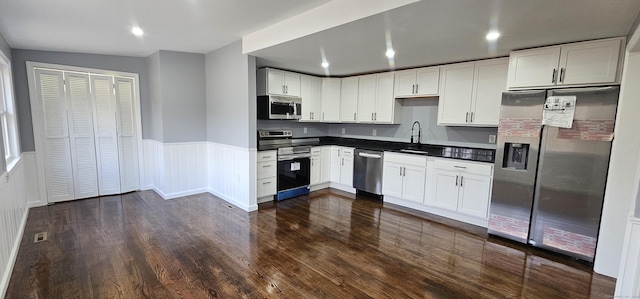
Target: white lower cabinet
x=266 y=173
x=341 y=169
x=320 y=161
x=403 y=176
x=460 y=186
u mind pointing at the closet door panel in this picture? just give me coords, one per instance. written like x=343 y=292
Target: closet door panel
x=56 y=154
x=106 y=135
x=128 y=154
x=83 y=155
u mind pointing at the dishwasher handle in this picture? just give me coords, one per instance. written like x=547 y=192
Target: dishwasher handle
x=367 y=155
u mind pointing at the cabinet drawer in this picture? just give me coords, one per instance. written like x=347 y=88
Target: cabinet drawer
x=406 y=159
x=347 y=151
x=267 y=169
x=463 y=166
x=266 y=187
x=264 y=156
x=317 y=150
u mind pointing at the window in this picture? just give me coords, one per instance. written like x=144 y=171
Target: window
x=8 y=114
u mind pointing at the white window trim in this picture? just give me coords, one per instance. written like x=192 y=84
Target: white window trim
x=14 y=144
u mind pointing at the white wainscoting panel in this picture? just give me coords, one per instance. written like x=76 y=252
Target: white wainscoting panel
x=628 y=283
x=175 y=169
x=232 y=175
x=16 y=189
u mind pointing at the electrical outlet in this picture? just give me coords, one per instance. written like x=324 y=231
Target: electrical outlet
x=305 y=130
x=492 y=138
x=374 y=133
x=344 y=130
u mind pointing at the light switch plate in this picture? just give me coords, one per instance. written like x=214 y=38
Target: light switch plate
x=305 y=130
x=374 y=133
x=343 y=130
x=492 y=138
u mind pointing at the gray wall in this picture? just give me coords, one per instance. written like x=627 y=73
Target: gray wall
x=424 y=110
x=231 y=97
x=182 y=85
x=107 y=62
x=154 y=123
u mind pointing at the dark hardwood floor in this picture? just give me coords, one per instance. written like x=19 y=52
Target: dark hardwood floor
x=326 y=245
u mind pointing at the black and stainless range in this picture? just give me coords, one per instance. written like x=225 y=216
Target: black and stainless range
x=294 y=161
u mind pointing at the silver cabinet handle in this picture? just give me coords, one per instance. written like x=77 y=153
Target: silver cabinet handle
x=400 y=170
x=266 y=157
x=562 y=72
x=266 y=183
x=404 y=171
x=471 y=117
x=417 y=86
x=466 y=118
x=456 y=166
x=371 y=115
x=354 y=116
x=413 y=89
x=264 y=166
x=461 y=179
x=343 y=161
x=375 y=116
x=283 y=89
x=456 y=180
x=553 y=77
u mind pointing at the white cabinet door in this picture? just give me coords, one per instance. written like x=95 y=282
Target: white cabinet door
x=385 y=102
x=316 y=169
x=532 y=68
x=81 y=135
x=445 y=189
x=128 y=149
x=474 y=194
x=490 y=80
x=310 y=91
x=292 y=84
x=55 y=135
x=275 y=82
x=336 y=164
x=413 y=185
x=367 y=98
x=589 y=62
x=346 y=169
x=349 y=99
x=427 y=81
x=330 y=99
x=456 y=87
x=325 y=164
x=392 y=179
x=106 y=135
x=405 y=83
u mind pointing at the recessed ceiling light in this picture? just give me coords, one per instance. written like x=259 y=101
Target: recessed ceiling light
x=137 y=31
x=493 y=35
x=325 y=64
x=390 y=53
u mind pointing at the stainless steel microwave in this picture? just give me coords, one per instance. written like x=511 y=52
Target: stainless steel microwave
x=278 y=107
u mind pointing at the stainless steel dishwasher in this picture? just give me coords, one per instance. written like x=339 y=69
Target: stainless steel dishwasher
x=367 y=171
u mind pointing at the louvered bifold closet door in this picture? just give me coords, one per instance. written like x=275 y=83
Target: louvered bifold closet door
x=106 y=134
x=128 y=150
x=56 y=151
x=83 y=152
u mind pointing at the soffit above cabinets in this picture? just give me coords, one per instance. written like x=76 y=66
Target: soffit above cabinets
x=431 y=32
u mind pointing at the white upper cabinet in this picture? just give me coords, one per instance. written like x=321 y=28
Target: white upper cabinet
x=376 y=103
x=471 y=93
x=592 y=62
x=311 y=94
x=331 y=99
x=277 y=82
x=349 y=100
x=420 y=82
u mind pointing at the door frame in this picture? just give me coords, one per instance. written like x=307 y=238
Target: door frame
x=37 y=122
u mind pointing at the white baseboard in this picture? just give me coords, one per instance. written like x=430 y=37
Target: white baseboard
x=342 y=187
x=233 y=201
x=319 y=186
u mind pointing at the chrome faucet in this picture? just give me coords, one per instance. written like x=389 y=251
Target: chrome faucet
x=414 y=124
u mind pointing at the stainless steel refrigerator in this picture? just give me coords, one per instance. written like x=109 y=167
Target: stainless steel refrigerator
x=549 y=180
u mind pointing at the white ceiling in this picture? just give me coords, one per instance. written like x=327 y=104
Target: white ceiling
x=432 y=32
x=427 y=32
x=104 y=26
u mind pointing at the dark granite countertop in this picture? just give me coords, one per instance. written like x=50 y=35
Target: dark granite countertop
x=443 y=151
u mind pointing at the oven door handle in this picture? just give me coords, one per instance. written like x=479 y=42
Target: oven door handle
x=292 y=157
